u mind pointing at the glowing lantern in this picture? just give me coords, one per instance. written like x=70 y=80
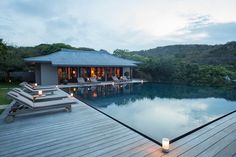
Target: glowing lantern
x=165 y=145
x=71 y=94
x=40 y=92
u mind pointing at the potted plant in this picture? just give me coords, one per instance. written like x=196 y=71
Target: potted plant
x=127 y=74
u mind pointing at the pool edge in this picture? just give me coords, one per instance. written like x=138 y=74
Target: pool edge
x=151 y=139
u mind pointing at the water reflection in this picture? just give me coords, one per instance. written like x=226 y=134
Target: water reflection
x=160 y=110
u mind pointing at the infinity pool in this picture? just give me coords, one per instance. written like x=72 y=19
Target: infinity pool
x=159 y=110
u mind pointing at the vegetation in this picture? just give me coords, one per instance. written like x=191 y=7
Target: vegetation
x=3 y=97
x=186 y=64
x=12 y=57
x=4 y=88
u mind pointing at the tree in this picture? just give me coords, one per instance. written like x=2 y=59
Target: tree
x=3 y=52
x=9 y=60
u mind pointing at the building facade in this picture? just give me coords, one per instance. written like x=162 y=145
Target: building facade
x=68 y=64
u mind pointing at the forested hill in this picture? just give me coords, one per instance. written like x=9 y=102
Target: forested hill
x=205 y=54
x=213 y=65
x=42 y=49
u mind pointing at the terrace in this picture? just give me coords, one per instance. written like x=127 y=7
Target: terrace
x=88 y=132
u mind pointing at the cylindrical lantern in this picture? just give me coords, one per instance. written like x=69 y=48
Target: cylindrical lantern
x=165 y=145
x=40 y=92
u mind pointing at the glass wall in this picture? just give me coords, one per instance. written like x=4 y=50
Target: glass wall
x=100 y=73
x=67 y=74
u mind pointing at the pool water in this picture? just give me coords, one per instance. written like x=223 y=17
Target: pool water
x=159 y=110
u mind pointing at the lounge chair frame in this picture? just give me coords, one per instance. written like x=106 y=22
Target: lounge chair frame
x=36 y=98
x=24 y=106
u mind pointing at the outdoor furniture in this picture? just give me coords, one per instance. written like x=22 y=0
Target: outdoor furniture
x=124 y=78
x=24 y=105
x=114 y=78
x=37 y=98
x=23 y=84
x=80 y=80
x=35 y=91
x=94 y=80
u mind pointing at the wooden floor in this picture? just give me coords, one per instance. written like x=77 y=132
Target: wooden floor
x=100 y=83
x=87 y=132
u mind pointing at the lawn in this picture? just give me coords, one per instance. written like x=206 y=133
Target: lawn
x=3 y=97
x=4 y=88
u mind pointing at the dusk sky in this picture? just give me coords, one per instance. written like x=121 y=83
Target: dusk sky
x=112 y=24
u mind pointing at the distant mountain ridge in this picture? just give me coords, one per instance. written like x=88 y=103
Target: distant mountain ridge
x=206 y=54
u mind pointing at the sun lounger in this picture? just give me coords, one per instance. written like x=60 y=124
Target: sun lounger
x=94 y=80
x=114 y=78
x=23 y=84
x=124 y=78
x=80 y=80
x=35 y=91
x=37 y=98
x=24 y=105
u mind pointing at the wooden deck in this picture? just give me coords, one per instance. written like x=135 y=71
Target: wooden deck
x=87 y=132
x=103 y=83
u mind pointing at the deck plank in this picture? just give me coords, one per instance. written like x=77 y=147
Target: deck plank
x=229 y=150
x=150 y=149
x=62 y=146
x=209 y=141
x=137 y=150
x=222 y=143
x=59 y=138
x=123 y=149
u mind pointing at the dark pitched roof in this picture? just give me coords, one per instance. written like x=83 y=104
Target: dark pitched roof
x=68 y=57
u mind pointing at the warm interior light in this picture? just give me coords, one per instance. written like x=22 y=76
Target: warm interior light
x=73 y=72
x=165 y=145
x=40 y=92
x=74 y=89
x=94 y=94
x=71 y=94
x=35 y=84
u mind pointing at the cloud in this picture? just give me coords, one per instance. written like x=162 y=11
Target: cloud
x=106 y=24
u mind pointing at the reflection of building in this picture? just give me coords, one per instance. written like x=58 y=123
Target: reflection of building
x=69 y=64
x=109 y=93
